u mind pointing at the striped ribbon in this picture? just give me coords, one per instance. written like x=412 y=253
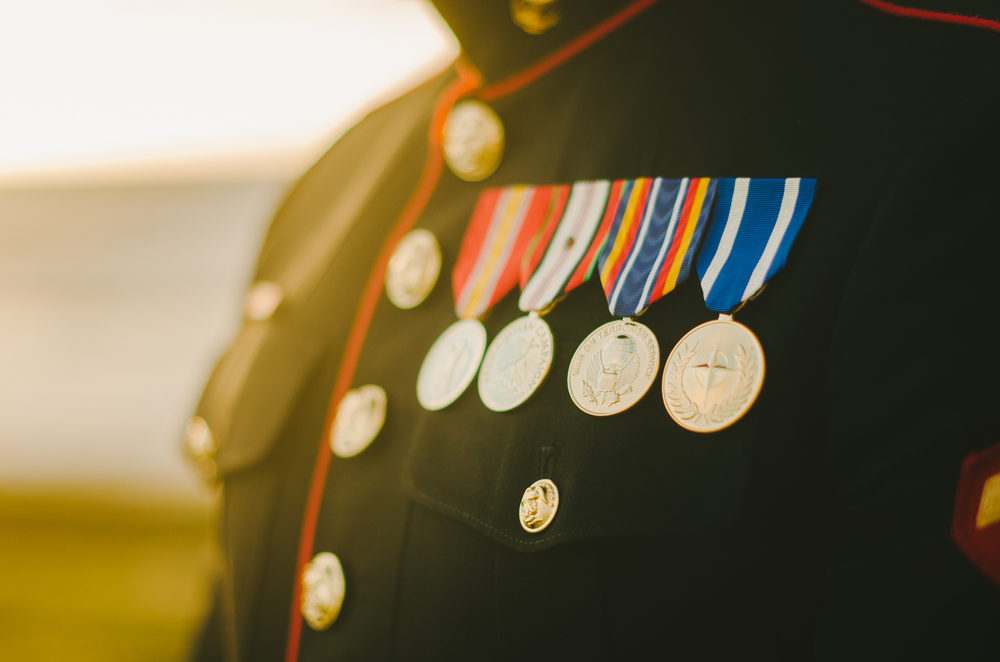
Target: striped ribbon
x=503 y=225
x=754 y=225
x=564 y=254
x=652 y=240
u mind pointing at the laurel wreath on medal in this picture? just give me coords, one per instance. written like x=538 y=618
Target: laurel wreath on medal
x=687 y=410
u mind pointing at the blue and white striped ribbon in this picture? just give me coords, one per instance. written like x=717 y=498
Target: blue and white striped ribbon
x=753 y=227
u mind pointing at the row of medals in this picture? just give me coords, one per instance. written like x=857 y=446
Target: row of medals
x=712 y=375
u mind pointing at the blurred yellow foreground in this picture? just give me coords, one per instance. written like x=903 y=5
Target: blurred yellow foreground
x=101 y=578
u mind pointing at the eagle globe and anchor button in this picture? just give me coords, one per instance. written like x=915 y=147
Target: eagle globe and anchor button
x=413 y=269
x=262 y=300
x=539 y=504
x=360 y=417
x=535 y=16
x=323 y=589
x=201 y=447
x=473 y=140
x=713 y=375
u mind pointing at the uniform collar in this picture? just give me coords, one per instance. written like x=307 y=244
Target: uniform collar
x=497 y=47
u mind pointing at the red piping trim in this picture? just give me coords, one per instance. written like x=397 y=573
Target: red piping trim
x=359 y=330
x=927 y=15
x=545 y=65
x=469 y=80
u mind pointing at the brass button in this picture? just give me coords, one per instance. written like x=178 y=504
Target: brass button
x=323 y=590
x=198 y=438
x=360 y=416
x=539 y=505
x=473 y=140
x=413 y=269
x=262 y=300
x=535 y=16
x=199 y=444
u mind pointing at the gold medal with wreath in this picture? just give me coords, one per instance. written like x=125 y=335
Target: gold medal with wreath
x=713 y=375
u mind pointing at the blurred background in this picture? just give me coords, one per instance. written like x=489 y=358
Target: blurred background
x=144 y=145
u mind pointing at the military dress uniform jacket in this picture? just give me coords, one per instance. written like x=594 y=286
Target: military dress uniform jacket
x=818 y=527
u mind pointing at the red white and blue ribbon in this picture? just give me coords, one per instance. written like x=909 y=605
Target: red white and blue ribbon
x=549 y=266
x=651 y=244
x=753 y=227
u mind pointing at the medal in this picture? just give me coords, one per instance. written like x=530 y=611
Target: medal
x=451 y=364
x=654 y=234
x=516 y=363
x=502 y=225
x=518 y=360
x=716 y=371
x=713 y=375
x=613 y=367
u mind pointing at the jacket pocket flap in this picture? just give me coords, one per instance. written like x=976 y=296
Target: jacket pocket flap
x=634 y=473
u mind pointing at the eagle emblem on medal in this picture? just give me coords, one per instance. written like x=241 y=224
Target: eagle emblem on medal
x=613 y=367
x=611 y=372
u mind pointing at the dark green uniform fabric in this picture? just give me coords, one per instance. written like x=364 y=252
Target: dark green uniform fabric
x=816 y=528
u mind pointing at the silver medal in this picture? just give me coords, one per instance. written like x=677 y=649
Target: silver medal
x=613 y=367
x=451 y=364
x=516 y=363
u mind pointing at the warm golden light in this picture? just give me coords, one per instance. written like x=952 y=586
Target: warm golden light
x=144 y=145
x=112 y=86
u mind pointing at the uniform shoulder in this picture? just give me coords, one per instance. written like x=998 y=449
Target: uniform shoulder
x=406 y=115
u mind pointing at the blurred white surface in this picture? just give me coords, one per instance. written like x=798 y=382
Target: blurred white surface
x=145 y=148
x=128 y=87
